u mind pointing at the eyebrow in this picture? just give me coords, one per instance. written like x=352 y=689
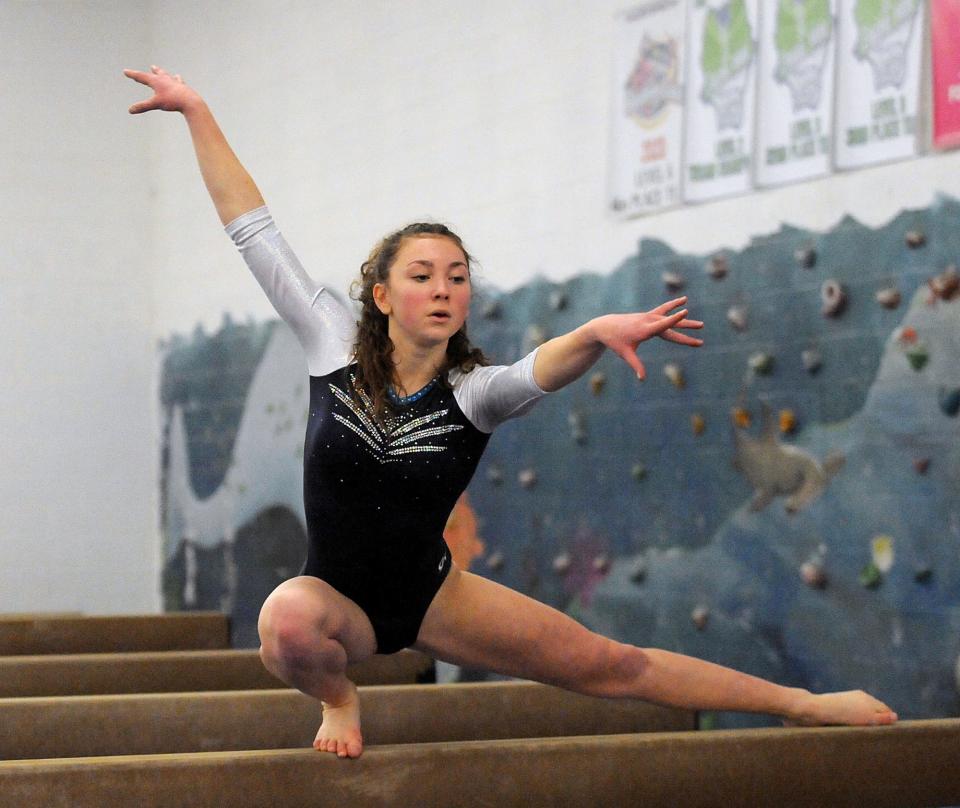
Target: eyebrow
x=430 y=263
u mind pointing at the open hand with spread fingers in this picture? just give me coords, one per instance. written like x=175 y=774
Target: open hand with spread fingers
x=170 y=93
x=622 y=333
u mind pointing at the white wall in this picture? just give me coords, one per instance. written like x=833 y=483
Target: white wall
x=358 y=117
x=355 y=117
x=78 y=464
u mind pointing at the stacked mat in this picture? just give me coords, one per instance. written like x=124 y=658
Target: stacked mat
x=160 y=711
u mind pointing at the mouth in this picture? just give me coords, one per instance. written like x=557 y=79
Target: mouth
x=439 y=316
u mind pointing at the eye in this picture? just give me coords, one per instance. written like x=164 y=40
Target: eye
x=420 y=277
x=459 y=279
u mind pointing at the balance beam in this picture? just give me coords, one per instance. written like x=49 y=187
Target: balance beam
x=178 y=671
x=59 y=634
x=909 y=764
x=88 y=726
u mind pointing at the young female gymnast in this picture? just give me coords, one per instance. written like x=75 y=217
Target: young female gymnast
x=401 y=408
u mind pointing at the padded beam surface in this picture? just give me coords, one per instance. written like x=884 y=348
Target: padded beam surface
x=909 y=764
x=52 y=634
x=178 y=671
x=283 y=719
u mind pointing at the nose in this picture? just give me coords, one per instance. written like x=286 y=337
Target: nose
x=442 y=288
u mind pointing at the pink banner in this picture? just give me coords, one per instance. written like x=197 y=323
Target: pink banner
x=945 y=47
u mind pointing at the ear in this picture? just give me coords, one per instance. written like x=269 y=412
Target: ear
x=381 y=298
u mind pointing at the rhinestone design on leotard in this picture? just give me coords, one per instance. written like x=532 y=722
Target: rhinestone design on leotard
x=390 y=442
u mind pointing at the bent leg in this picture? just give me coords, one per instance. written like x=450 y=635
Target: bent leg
x=309 y=633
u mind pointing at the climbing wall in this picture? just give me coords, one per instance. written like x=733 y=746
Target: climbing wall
x=781 y=500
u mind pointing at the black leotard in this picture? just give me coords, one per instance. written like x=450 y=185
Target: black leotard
x=377 y=498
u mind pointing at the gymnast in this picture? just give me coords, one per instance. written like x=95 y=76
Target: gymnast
x=401 y=408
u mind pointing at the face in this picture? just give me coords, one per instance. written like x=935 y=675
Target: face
x=427 y=294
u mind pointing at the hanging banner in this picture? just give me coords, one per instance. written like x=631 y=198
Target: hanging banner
x=795 y=90
x=945 y=46
x=647 y=111
x=878 y=80
x=720 y=96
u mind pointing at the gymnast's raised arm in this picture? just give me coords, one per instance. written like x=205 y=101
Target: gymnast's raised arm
x=322 y=323
x=231 y=188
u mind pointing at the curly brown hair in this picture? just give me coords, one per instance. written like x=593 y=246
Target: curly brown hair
x=373 y=349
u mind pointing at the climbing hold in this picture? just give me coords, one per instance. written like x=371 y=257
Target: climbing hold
x=812 y=360
x=527 y=478
x=700 y=615
x=806 y=257
x=922 y=574
x=918 y=356
x=597 y=381
x=672 y=281
x=881 y=549
x=946 y=284
x=871 y=577
x=949 y=398
x=491 y=310
x=578 y=426
x=601 y=564
x=561 y=563
x=673 y=372
x=915 y=238
x=494 y=474
x=698 y=423
x=558 y=300
x=638 y=573
x=638 y=472
x=741 y=417
x=907 y=335
x=495 y=560
x=737 y=317
x=833 y=296
x=813 y=574
x=889 y=297
x=788 y=421
x=717 y=267
x=761 y=363
x=535 y=336
x=921 y=464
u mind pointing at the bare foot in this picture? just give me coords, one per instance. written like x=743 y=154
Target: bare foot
x=340 y=730
x=852 y=708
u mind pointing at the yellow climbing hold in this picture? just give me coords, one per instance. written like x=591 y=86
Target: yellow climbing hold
x=788 y=421
x=673 y=372
x=882 y=551
x=741 y=417
x=698 y=423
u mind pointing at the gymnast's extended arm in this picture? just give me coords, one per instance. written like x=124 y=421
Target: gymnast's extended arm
x=565 y=359
x=322 y=323
x=489 y=396
x=231 y=188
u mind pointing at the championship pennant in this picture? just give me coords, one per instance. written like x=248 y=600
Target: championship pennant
x=945 y=50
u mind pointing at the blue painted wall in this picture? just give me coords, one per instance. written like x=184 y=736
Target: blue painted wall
x=646 y=550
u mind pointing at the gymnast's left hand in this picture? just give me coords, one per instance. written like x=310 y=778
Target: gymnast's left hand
x=622 y=333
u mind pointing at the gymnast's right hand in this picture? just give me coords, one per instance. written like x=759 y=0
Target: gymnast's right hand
x=169 y=92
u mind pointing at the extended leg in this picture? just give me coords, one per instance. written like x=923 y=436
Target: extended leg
x=309 y=632
x=476 y=622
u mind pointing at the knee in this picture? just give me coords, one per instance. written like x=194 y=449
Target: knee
x=291 y=634
x=624 y=666
x=629 y=662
